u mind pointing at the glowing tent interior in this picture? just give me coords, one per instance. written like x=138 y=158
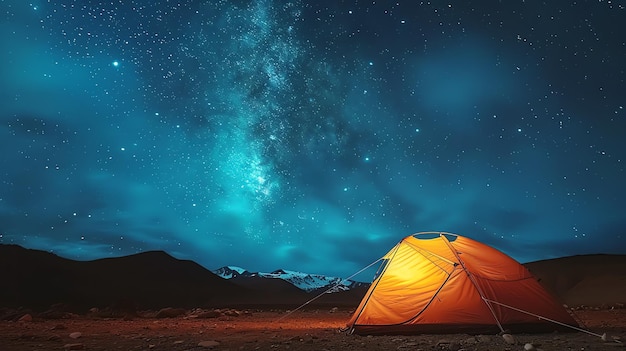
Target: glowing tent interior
x=440 y=282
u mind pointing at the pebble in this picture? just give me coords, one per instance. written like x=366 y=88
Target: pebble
x=76 y=335
x=74 y=346
x=444 y=342
x=470 y=341
x=483 y=338
x=509 y=339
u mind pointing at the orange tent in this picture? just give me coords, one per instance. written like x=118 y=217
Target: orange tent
x=442 y=282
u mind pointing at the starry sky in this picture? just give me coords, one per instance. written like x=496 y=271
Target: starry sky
x=311 y=135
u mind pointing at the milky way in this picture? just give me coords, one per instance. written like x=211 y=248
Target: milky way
x=310 y=135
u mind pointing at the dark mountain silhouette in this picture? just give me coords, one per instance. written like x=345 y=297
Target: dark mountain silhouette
x=38 y=279
x=152 y=280
x=591 y=280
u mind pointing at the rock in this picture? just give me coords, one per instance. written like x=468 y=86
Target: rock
x=483 y=338
x=448 y=344
x=334 y=310
x=509 y=339
x=454 y=346
x=209 y=314
x=26 y=318
x=232 y=313
x=74 y=346
x=8 y=314
x=529 y=347
x=170 y=312
x=208 y=344
x=76 y=335
x=470 y=341
x=444 y=342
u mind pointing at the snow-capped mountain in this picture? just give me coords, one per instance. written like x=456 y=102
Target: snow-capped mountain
x=228 y=272
x=303 y=281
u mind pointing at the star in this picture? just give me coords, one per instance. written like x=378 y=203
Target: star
x=459 y=118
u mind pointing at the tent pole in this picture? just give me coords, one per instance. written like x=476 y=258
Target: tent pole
x=471 y=278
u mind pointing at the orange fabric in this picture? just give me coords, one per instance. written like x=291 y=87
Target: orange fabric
x=434 y=281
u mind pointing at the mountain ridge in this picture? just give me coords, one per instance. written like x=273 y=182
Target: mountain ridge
x=304 y=281
x=154 y=279
x=148 y=280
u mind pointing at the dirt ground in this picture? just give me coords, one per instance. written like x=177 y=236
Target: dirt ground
x=275 y=330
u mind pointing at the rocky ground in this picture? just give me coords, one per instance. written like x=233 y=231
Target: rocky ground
x=172 y=329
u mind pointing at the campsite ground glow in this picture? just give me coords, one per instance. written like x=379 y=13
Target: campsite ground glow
x=310 y=136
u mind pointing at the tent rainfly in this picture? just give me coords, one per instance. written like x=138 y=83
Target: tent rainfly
x=436 y=282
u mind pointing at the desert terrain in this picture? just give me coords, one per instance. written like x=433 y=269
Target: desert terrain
x=310 y=329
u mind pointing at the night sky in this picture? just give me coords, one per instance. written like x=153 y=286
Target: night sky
x=311 y=135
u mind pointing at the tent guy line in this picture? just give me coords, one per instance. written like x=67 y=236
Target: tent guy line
x=601 y=336
x=333 y=287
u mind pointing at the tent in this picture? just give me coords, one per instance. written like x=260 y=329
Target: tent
x=445 y=283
